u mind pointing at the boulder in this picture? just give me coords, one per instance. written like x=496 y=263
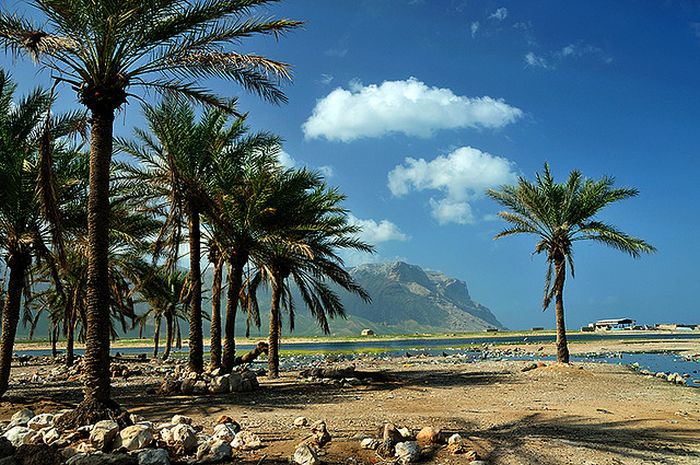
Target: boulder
x=214 y=451
x=200 y=387
x=246 y=440
x=305 y=455
x=235 y=380
x=41 y=421
x=320 y=433
x=225 y=432
x=49 y=435
x=18 y=435
x=219 y=385
x=21 y=418
x=187 y=385
x=38 y=454
x=428 y=435
x=153 y=457
x=103 y=434
x=183 y=439
x=134 y=437
x=407 y=452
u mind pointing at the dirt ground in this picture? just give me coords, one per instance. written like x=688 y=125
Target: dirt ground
x=582 y=414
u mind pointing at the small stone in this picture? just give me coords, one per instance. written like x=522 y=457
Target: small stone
x=301 y=421
x=370 y=443
x=49 y=435
x=21 y=418
x=235 y=380
x=183 y=439
x=405 y=433
x=428 y=435
x=391 y=434
x=41 y=421
x=18 y=435
x=305 y=455
x=134 y=437
x=153 y=457
x=529 y=366
x=181 y=420
x=103 y=434
x=407 y=452
x=225 y=432
x=320 y=433
x=455 y=438
x=246 y=440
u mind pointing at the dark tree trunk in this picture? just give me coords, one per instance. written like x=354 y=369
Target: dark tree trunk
x=156 y=335
x=562 y=347
x=70 y=341
x=168 y=334
x=196 y=347
x=10 y=315
x=235 y=282
x=273 y=361
x=215 y=332
x=53 y=334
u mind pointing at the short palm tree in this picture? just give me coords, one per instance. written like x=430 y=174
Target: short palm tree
x=312 y=227
x=106 y=50
x=25 y=232
x=560 y=214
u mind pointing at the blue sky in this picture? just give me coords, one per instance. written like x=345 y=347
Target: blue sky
x=415 y=107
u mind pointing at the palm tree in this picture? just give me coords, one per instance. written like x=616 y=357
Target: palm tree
x=174 y=161
x=304 y=250
x=217 y=262
x=107 y=49
x=29 y=137
x=242 y=191
x=560 y=214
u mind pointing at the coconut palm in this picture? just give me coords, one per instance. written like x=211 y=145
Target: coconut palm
x=559 y=215
x=173 y=162
x=304 y=252
x=106 y=50
x=29 y=137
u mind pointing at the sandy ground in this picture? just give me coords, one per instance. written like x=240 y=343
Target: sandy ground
x=582 y=414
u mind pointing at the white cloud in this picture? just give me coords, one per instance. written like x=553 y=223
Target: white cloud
x=474 y=28
x=536 y=61
x=409 y=107
x=500 y=14
x=462 y=176
x=326 y=79
x=288 y=162
x=376 y=232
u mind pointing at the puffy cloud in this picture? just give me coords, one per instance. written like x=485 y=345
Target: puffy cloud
x=286 y=160
x=462 y=176
x=375 y=232
x=500 y=14
x=410 y=107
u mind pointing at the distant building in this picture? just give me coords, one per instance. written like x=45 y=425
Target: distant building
x=537 y=328
x=367 y=332
x=613 y=324
x=491 y=330
x=676 y=327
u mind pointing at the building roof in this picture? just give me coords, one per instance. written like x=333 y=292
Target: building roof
x=615 y=321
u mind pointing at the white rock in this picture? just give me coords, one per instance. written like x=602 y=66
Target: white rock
x=19 y=435
x=301 y=421
x=41 y=421
x=181 y=420
x=455 y=438
x=153 y=457
x=219 y=385
x=183 y=438
x=134 y=437
x=103 y=434
x=49 y=435
x=246 y=440
x=370 y=443
x=305 y=455
x=224 y=432
x=214 y=451
x=405 y=433
x=407 y=452
x=22 y=417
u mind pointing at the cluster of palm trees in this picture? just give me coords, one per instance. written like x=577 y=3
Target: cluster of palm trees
x=88 y=225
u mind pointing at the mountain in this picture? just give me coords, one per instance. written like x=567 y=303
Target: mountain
x=406 y=297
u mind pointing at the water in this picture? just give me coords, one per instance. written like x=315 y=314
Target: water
x=318 y=351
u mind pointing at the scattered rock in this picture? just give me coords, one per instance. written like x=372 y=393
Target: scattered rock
x=18 y=435
x=370 y=443
x=301 y=421
x=225 y=432
x=529 y=366
x=103 y=434
x=181 y=420
x=246 y=440
x=21 y=418
x=219 y=385
x=153 y=457
x=320 y=433
x=183 y=439
x=38 y=454
x=41 y=421
x=392 y=434
x=100 y=458
x=305 y=455
x=428 y=435
x=407 y=452
x=134 y=437
x=214 y=452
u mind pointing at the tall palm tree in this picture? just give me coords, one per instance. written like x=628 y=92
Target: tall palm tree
x=27 y=134
x=174 y=160
x=560 y=214
x=217 y=261
x=242 y=191
x=106 y=50
x=305 y=252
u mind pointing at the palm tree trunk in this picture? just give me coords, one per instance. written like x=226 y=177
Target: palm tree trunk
x=53 y=335
x=215 y=332
x=235 y=282
x=70 y=341
x=10 y=315
x=273 y=361
x=196 y=347
x=168 y=334
x=156 y=335
x=562 y=347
